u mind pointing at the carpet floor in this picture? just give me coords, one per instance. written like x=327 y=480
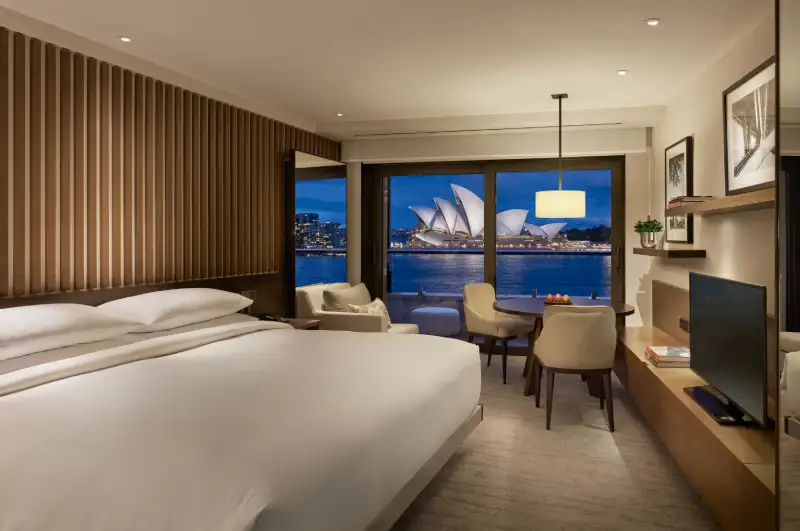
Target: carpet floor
x=512 y=474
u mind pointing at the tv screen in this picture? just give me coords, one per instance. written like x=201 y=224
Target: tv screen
x=728 y=340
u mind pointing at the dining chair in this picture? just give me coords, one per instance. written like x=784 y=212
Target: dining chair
x=576 y=340
x=484 y=321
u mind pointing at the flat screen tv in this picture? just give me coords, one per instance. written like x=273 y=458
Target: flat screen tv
x=728 y=343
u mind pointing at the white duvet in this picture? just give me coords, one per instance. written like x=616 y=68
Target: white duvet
x=230 y=428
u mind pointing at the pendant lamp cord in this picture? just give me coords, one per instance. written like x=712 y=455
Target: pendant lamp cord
x=560 y=132
x=560 y=98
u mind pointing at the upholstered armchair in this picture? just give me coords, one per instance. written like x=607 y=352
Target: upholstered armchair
x=576 y=340
x=484 y=321
x=333 y=314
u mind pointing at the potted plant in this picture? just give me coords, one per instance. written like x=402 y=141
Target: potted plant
x=647 y=231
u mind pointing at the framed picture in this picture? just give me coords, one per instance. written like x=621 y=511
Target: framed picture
x=750 y=131
x=678 y=177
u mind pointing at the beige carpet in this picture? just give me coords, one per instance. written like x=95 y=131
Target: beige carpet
x=513 y=474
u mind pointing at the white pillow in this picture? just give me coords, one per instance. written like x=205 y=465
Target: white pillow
x=39 y=327
x=167 y=309
x=376 y=307
x=340 y=299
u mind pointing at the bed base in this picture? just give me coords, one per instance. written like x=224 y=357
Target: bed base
x=392 y=512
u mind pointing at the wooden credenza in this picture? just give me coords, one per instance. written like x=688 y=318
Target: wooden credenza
x=732 y=468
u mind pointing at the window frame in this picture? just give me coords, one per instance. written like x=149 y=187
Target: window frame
x=376 y=201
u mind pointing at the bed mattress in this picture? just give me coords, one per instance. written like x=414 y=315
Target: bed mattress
x=229 y=428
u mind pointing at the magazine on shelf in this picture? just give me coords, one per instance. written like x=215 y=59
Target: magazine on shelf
x=689 y=199
x=669 y=353
x=669 y=364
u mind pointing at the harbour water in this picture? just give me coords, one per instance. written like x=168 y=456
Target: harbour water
x=517 y=274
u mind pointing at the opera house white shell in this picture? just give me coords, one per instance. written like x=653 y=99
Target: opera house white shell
x=465 y=219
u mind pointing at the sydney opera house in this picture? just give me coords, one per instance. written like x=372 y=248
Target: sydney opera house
x=449 y=222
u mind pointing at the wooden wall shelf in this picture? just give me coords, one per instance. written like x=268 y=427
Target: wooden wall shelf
x=671 y=253
x=723 y=205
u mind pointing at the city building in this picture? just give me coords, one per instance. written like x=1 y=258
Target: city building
x=309 y=233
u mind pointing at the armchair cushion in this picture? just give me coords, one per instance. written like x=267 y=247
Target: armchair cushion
x=309 y=298
x=339 y=300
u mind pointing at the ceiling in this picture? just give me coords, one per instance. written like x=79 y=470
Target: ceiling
x=376 y=60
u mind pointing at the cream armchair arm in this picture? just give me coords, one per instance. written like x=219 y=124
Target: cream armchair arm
x=353 y=322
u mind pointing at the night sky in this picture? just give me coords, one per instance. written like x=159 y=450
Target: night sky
x=514 y=190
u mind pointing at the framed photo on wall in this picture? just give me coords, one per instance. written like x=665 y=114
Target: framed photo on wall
x=750 y=131
x=678 y=177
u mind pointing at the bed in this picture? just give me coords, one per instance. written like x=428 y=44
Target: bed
x=233 y=426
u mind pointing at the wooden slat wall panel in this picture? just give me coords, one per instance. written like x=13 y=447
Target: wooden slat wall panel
x=116 y=185
x=52 y=224
x=126 y=208
x=19 y=176
x=169 y=184
x=36 y=164
x=115 y=179
x=6 y=161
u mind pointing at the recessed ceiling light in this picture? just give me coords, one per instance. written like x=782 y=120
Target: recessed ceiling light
x=125 y=39
x=653 y=21
x=339 y=114
x=622 y=72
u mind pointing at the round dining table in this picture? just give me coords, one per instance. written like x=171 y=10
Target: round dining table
x=533 y=307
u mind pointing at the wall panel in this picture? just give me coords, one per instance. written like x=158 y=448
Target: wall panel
x=115 y=179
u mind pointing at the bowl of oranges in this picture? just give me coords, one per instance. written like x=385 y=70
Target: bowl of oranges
x=557 y=299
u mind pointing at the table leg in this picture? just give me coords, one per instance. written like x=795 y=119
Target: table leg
x=529 y=372
x=594 y=382
x=533 y=335
x=529 y=357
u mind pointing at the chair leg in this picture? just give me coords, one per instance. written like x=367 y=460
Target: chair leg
x=609 y=400
x=470 y=338
x=551 y=377
x=537 y=379
x=505 y=359
x=602 y=398
x=488 y=343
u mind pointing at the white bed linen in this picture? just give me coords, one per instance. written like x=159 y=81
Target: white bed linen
x=48 y=356
x=267 y=430
x=219 y=321
x=56 y=354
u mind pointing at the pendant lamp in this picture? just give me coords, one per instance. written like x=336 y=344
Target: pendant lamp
x=560 y=203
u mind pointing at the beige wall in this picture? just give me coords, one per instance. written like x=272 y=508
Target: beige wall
x=740 y=246
x=636 y=267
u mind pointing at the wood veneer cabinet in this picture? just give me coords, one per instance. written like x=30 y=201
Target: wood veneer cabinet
x=732 y=468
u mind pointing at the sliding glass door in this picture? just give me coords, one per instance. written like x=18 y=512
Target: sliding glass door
x=430 y=229
x=553 y=256
x=435 y=242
